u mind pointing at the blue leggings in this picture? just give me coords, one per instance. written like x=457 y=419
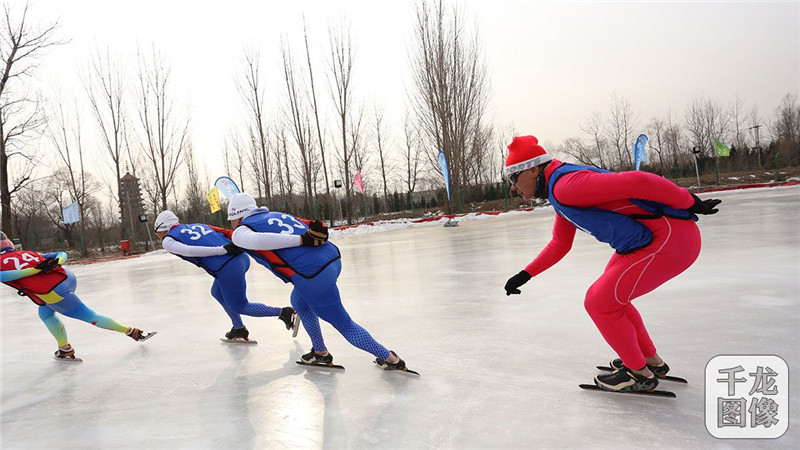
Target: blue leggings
x=72 y=306
x=318 y=298
x=230 y=290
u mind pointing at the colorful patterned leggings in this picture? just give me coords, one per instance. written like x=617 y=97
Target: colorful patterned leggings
x=318 y=298
x=72 y=306
x=675 y=246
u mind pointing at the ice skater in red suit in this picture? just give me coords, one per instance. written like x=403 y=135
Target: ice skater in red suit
x=647 y=219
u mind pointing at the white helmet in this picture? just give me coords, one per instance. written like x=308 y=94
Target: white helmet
x=165 y=220
x=240 y=204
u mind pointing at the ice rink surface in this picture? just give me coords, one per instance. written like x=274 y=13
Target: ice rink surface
x=497 y=371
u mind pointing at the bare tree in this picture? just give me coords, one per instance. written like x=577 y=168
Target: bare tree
x=695 y=121
x=479 y=167
x=21 y=44
x=718 y=122
x=300 y=126
x=282 y=148
x=577 y=149
x=254 y=159
x=105 y=87
x=385 y=163
x=252 y=93
x=450 y=91
x=236 y=157
x=53 y=201
x=705 y=121
x=594 y=128
x=342 y=57
x=785 y=128
x=657 y=129
x=164 y=135
x=622 y=121
x=64 y=131
x=360 y=155
x=315 y=108
x=411 y=158
x=194 y=196
x=28 y=214
x=738 y=117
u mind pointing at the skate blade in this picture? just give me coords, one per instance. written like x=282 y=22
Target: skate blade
x=654 y=393
x=321 y=366
x=68 y=360
x=148 y=336
x=239 y=341
x=405 y=369
x=295 y=325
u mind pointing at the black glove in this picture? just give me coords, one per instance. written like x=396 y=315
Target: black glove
x=318 y=230
x=513 y=283
x=47 y=265
x=232 y=249
x=308 y=240
x=704 y=206
x=316 y=235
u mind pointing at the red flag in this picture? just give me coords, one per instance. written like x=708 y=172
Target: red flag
x=358 y=183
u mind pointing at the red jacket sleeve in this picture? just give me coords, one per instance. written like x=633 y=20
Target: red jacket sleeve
x=559 y=245
x=586 y=188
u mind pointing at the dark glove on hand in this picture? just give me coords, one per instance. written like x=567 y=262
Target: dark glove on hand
x=704 y=206
x=513 y=283
x=308 y=240
x=47 y=265
x=318 y=230
x=232 y=249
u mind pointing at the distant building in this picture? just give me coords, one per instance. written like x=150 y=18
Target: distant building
x=131 y=205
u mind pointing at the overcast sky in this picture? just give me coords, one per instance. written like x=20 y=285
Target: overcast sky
x=550 y=64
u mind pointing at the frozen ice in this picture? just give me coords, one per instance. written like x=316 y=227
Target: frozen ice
x=497 y=371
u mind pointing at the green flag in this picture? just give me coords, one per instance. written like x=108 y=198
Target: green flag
x=721 y=149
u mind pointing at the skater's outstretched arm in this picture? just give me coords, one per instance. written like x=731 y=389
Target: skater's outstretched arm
x=245 y=237
x=60 y=256
x=9 y=274
x=587 y=188
x=560 y=244
x=179 y=248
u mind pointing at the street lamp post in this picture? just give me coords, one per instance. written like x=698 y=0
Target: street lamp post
x=338 y=184
x=696 y=151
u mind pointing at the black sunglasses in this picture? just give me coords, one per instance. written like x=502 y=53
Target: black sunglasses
x=513 y=177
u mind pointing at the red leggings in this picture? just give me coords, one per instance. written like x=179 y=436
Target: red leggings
x=675 y=246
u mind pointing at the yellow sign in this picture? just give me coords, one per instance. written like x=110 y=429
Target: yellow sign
x=213 y=199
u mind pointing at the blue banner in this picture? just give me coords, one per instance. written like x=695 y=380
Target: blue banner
x=226 y=187
x=70 y=213
x=443 y=165
x=639 y=156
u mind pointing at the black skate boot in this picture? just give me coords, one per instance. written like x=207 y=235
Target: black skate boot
x=138 y=335
x=385 y=365
x=66 y=354
x=659 y=371
x=238 y=334
x=290 y=318
x=625 y=379
x=314 y=358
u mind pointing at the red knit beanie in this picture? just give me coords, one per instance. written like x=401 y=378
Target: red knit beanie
x=525 y=152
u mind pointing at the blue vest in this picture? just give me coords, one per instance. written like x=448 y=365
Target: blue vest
x=624 y=233
x=201 y=235
x=306 y=262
